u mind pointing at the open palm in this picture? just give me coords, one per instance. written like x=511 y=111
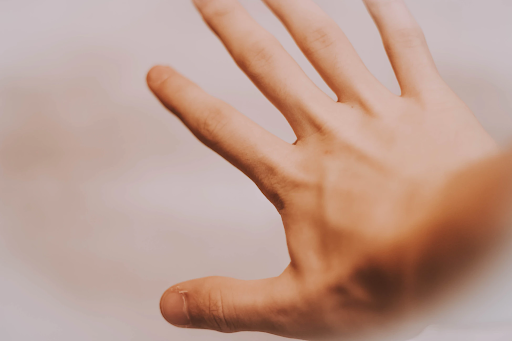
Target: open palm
x=358 y=188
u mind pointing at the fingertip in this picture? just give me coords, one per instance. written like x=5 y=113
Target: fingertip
x=158 y=74
x=174 y=309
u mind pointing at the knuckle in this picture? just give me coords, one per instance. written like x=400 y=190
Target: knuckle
x=216 y=316
x=409 y=37
x=215 y=10
x=211 y=126
x=256 y=55
x=319 y=39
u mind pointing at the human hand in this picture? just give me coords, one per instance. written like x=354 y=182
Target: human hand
x=360 y=190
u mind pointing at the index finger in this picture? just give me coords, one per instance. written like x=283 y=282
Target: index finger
x=246 y=145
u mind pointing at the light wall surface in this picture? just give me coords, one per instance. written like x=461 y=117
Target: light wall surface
x=106 y=199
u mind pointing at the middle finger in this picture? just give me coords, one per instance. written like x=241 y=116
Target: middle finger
x=268 y=65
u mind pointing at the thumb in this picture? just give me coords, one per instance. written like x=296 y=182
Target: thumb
x=227 y=304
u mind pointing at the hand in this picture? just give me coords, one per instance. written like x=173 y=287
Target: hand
x=361 y=192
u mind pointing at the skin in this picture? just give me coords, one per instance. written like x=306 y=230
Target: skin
x=386 y=200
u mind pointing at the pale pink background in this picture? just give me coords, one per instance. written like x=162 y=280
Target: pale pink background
x=106 y=199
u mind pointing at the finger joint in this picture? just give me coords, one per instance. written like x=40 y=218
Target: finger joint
x=211 y=126
x=216 y=313
x=319 y=39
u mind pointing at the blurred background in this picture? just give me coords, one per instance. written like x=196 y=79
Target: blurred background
x=106 y=199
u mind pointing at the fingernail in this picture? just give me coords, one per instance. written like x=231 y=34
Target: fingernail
x=174 y=308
